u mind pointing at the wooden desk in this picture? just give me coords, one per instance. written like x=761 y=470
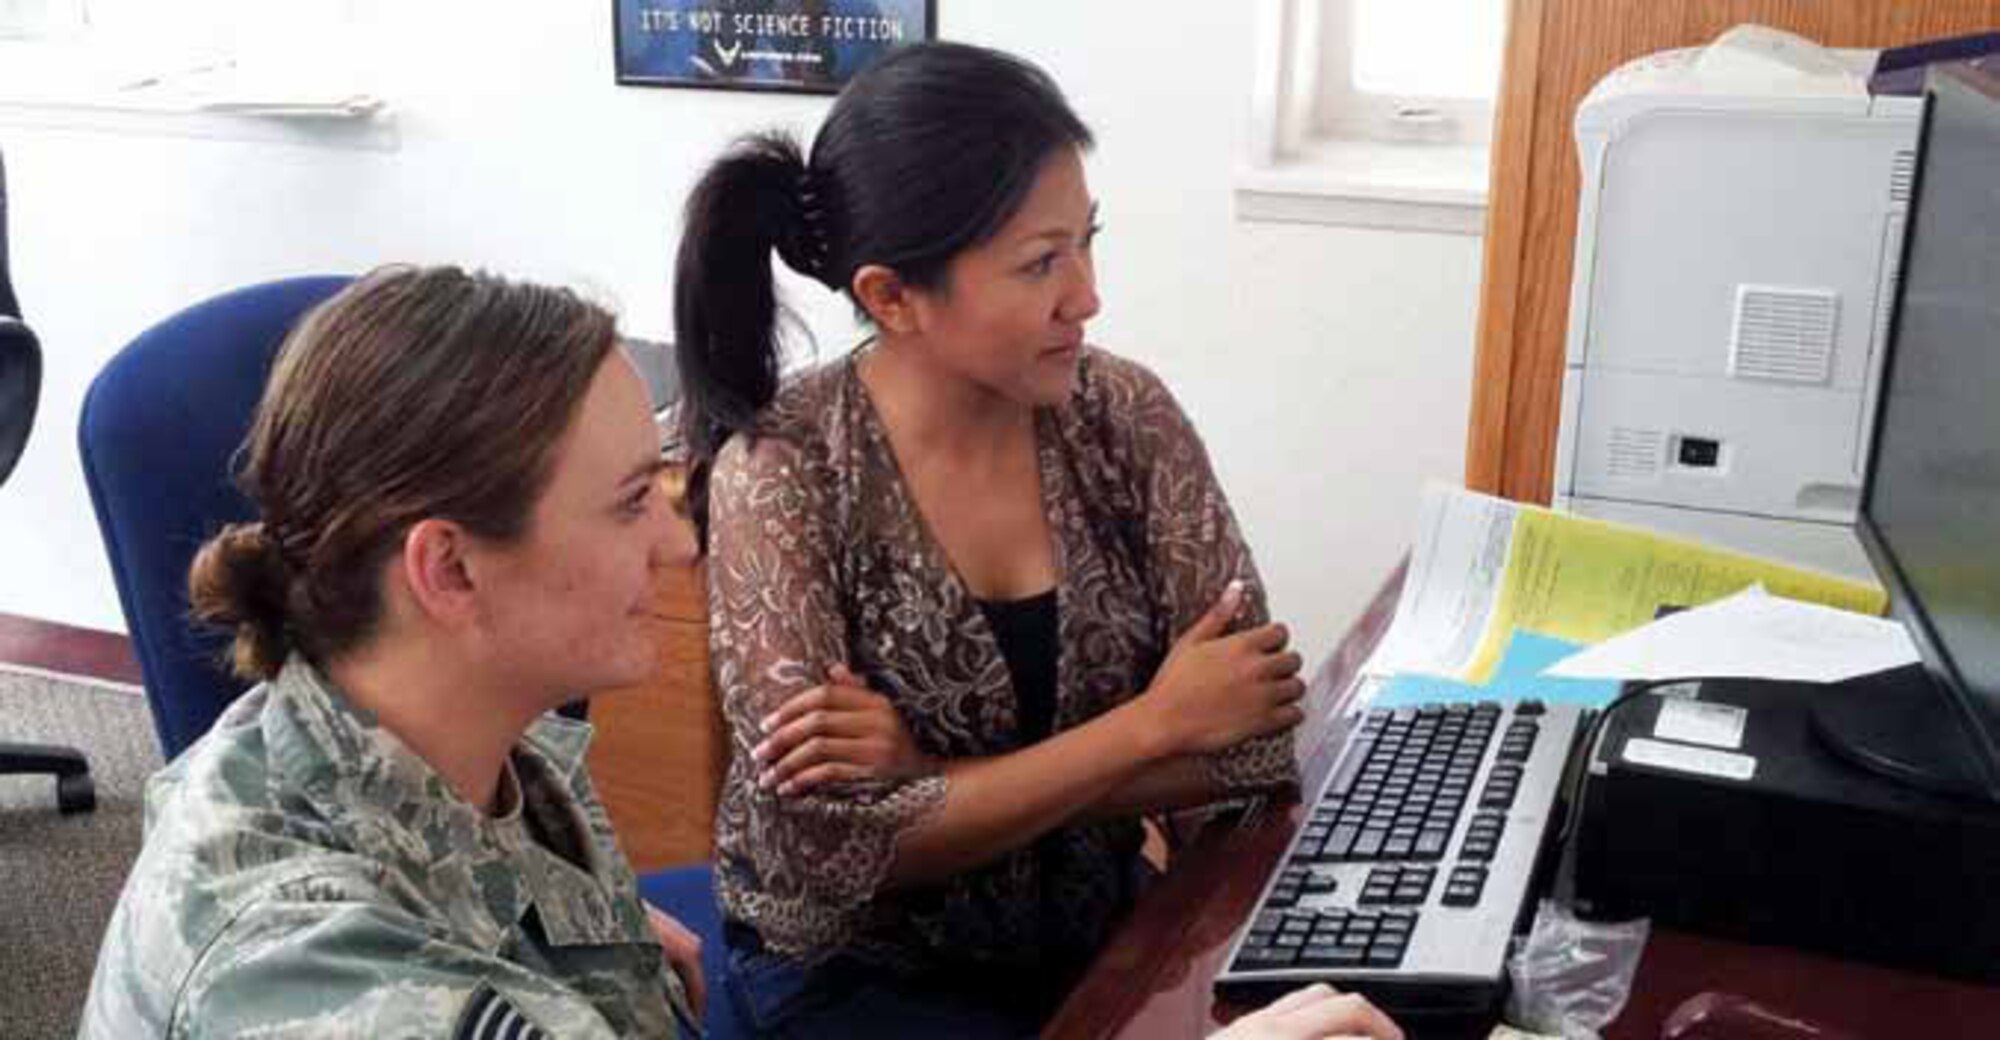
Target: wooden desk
x=1153 y=981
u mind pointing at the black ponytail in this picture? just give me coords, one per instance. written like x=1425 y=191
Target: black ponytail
x=726 y=309
x=926 y=154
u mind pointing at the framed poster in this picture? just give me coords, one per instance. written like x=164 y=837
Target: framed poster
x=799 y=46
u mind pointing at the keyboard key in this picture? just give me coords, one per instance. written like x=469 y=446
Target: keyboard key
x=1333 y=957
x=1264 y=958
x=1400 y=922
x=1384 y=957
x=1369 y=844
x=1460 y=895
x=1431 y=843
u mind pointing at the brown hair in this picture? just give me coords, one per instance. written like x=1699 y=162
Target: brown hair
x=413 y=393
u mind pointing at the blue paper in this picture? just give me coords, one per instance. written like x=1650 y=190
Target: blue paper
x=1515 y=679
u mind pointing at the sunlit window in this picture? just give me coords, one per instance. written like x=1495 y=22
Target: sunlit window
x=1427 y=48
x=1420 y=70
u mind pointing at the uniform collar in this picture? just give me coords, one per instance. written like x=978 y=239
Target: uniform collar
x=482 y=873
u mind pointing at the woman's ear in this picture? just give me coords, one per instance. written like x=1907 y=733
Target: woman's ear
x=434 y=568
x=889 y=303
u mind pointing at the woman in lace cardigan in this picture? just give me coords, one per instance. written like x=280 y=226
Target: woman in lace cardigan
x=977 y=601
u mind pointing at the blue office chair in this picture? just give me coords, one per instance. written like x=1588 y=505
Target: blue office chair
x=160 y=426
x=20 y=390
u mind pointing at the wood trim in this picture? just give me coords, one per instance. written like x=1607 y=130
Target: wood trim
x=1506 y=238
x=660 y=749
x=53 y=647
x=1556 y=50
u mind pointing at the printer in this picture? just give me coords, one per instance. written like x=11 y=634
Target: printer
x=1738 y=231
x=1860 y=817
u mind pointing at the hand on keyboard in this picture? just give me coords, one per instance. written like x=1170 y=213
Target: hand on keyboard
x=1316 y=1012
x=1216 y=689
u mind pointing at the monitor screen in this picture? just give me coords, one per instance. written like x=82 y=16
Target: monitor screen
x=1931 y=508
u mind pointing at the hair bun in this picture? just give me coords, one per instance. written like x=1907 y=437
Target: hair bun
x=239 y=580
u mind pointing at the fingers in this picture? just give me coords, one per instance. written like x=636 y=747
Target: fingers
x=822 y=774
x=832 y=695
x=824 y=723
x=860 y=753
x=683 y=952
x=1301 y=997
x=1284 y=691
x=1216 y=620
x=1280 y=666
x=1344 y=1014
x=1268 y=639
x=1279 y=720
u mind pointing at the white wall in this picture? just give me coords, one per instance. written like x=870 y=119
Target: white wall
x=1328 y=368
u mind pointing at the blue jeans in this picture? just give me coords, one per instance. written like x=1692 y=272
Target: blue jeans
x=841 y=997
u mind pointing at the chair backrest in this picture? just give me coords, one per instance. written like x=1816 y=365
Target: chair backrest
x=20 y=389
x=160 y=427
x=20 y=359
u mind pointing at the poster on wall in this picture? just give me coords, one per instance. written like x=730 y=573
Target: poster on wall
x=801 y=46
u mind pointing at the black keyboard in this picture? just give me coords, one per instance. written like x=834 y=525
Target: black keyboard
x=1414 y=863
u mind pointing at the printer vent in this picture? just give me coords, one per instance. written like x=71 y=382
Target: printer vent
x=1636 y=453
x=1784 y=335
x=1902 y=176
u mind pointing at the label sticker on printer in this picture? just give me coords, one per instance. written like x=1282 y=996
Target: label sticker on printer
x=1701 y=722
x=1683 y=759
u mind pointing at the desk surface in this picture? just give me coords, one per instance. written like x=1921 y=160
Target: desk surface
x=1152 y=981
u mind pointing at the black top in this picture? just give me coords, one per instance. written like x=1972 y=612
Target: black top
x=1026 y=631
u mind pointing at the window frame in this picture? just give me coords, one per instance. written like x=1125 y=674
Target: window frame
x=1298 y=172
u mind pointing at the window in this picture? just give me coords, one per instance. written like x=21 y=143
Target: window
x=1409 y=70
x=1374 y=112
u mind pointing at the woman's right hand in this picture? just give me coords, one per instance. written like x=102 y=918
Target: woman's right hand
x=1317 y=1012
x=839 y=732
x=1217 y=689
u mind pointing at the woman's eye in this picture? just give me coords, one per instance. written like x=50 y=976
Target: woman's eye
x=1090 y=237
x=1042 y=265
x=635 y=503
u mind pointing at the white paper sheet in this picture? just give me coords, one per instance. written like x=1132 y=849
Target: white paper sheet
x=1456 y=563
x=1749 y=635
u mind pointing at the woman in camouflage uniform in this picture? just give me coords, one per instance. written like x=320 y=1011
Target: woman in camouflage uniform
x=458 y=485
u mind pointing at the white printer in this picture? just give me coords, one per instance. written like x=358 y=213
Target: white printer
x=1738 y=236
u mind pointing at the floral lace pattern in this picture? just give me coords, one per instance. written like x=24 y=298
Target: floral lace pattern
x=818 y=555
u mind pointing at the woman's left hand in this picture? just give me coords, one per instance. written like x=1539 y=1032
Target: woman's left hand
x=683 y=950
x=839 y=732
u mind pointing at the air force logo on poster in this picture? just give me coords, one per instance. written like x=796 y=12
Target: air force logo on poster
x=799 y=45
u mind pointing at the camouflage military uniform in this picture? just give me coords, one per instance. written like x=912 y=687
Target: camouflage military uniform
x=306 y=874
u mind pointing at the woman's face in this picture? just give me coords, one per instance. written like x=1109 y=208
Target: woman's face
x=1010 y=313
x=570 y=605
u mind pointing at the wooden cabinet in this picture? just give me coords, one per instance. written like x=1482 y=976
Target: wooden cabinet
x=660 y=749
x=1556 y=50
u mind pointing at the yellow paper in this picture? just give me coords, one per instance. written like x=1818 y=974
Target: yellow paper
x=1588 y=580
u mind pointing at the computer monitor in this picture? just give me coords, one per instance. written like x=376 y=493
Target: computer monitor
x=1930 y=506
